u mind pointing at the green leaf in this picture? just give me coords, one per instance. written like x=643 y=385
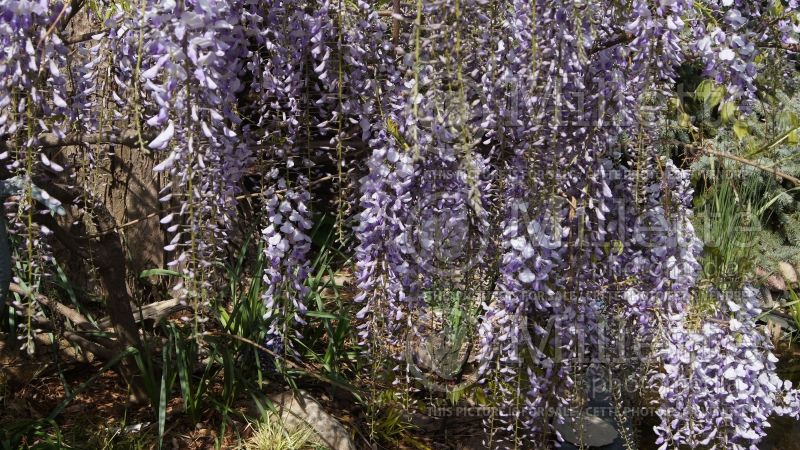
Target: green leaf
x=618 y=246
x=787 y=120
x=224 y=317
x=715 y=96
x=162 y=398
x=740 y=129
x=776 y=142
x=394 y=131
x=776 y=9
x=728 y=112
x=159 y=273
x=674 y=104
x=774 y=199
x=704 y=90
x=321 y=315
x=684 y=120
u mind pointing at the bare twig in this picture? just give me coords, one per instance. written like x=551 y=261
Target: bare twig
x=396 y=22
x=92 y=347
x=53 y=26
x=77 y=39
x=750 y=163
x=49 y=140
x=77 y=6
x=155 y=311
x=795 y=48
x=390 y=13
x=77 y=318
x=623 y=38
x=177 y=207
x=104 y=347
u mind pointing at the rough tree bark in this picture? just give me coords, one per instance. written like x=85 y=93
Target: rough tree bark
x=109 y=258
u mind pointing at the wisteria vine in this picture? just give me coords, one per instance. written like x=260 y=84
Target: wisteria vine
x=505 y=144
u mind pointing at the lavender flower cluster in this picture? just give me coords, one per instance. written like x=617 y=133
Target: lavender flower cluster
x=718 y=386
x=35 y=101
x=505 y=143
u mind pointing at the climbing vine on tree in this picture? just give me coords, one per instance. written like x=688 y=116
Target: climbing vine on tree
x=510 y=145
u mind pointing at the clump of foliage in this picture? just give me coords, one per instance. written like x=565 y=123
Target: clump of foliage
x=766 y=140
x=272 y=434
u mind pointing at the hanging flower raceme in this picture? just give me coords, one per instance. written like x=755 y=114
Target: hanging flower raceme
x=32 y=80
x=286 y=249
x=507 y=146
x=292 y=109
x=729 y=50
x=191 y=57
x=36 y=106
x=385 y=279
x=718 y=385
x=36 y=109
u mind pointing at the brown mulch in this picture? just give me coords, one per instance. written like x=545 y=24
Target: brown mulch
x=103 y=410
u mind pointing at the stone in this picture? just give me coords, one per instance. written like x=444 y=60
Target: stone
x=767 y=302
x=597 y=432
x=788 y=272
x=473 y=443
x=297 y=407
x=435 y=354
x=774 y=329
x=774 y=282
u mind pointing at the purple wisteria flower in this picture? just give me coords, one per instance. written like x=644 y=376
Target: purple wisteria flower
x=474 y=145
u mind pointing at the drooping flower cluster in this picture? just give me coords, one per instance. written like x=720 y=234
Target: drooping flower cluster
x=385 y=278
x=30 y=52
x=740 y=31
x=718 y=385
x=507 y=144
x=297 y=58
x=192 y=61
x=36 y=108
